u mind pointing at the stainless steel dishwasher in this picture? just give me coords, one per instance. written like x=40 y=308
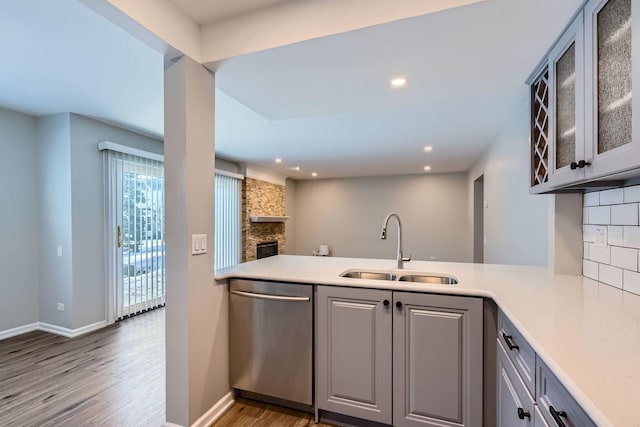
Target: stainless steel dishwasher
x=271 y=339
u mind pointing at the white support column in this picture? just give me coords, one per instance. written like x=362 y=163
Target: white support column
x=196 y=313
x=565 y=234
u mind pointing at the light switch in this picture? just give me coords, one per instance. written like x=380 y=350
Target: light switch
x=198 y=244
x=59 y=250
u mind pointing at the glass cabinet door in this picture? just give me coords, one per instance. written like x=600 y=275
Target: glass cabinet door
x=611 y=145
x=567 y=100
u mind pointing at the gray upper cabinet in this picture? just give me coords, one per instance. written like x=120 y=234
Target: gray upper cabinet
x=612 y=140
x=437 y=377
x=581 y=99
x=354 y=352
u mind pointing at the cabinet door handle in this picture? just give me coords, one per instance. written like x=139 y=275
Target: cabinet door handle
x=522 y=414
x=508 y=339
x=582 y=164
x=399 y=304
x=556 y=416
x=386 y=303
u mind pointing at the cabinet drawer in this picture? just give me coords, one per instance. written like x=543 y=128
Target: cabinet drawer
x=555 y=402
x=516 y=407
x=518 y=351
x=538 y=419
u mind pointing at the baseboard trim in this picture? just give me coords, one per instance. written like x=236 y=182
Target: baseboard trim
x=71 y=333
x=215 y=412
x=8 y=333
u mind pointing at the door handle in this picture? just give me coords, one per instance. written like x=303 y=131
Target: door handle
x=270 y=297
x=119 y=233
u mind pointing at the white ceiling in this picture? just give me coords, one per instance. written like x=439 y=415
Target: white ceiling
x=60 y=56
x=326 y=105
x=206 y=12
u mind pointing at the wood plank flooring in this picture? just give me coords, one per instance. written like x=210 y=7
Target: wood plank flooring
x=112 y=377
x=247 y=413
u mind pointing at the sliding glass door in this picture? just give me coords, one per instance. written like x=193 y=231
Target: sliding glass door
x=137 y=259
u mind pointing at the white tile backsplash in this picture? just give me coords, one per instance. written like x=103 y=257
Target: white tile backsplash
x=610 y=275
x=600 y=215
x=632 y=194
x=590 y=269
x=599 y=253
x=624 y=214
x=631 y=237
x=631 y=282
x=592 y=199
x=616 y=263
x=626 y=258
x=615 y=235
x=612 y=197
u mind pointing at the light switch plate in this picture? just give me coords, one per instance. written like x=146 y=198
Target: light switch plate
x=198 y=244
x=601 y=236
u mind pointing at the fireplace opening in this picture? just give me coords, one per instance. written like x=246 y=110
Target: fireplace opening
x=264 y=250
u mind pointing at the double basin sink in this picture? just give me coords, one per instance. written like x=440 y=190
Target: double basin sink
x=401 y=277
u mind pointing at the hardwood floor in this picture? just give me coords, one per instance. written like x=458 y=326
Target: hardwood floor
x=112 y=377
x=247 y=413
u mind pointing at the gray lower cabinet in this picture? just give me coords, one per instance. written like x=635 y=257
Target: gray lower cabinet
x=431 y=343
x=354 y=352
x=516 y=407
x=437 y=360
x=538 y=419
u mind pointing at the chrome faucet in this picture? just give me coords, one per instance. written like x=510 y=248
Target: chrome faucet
x=383 y=235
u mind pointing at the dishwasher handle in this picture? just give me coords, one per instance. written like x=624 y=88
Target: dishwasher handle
x=270 y=297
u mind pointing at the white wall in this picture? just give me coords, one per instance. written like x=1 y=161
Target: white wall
x=515 y=223
x=290 y=210
x=348 y=213
x=19 y=257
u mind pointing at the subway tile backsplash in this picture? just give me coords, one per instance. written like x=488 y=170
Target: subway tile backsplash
x=611 y=235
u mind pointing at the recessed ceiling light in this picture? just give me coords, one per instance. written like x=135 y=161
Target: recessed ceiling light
x=278 y=160
x=314 y=174
x=427 y=168
x=296 y=168
x=398 y=81
x=428 y=148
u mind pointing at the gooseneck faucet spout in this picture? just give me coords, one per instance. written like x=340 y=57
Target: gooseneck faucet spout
x=383 y=235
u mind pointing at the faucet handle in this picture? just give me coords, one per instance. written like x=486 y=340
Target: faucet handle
x=407 y=259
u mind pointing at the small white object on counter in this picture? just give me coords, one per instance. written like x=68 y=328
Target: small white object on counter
x=586 y=332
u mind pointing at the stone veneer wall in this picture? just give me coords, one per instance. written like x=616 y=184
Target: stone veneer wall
x=261 y=198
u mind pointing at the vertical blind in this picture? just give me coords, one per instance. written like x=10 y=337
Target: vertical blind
x=137 y=217
x=228 y=216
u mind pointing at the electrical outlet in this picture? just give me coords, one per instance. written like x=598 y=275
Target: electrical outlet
x=432 y=258
x=60 y=306
x=601 y=236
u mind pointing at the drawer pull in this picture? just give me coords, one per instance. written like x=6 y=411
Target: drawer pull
x=556 y=416
x=509 y=340
x=522 y=414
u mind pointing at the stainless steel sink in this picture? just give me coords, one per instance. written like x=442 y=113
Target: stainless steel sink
x=373 y=275
x=432 y=279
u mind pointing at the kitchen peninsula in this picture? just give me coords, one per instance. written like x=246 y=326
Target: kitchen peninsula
x=587 y=333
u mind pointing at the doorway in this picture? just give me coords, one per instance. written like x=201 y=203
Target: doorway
x=137 y=214
x=478 y=220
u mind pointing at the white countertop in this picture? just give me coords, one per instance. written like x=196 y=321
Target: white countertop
x=587 y=333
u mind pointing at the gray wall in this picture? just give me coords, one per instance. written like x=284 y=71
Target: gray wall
x=515 y=222
x=88 y=211
x=290 y=210
x=19 y=257
x=54 y=166
x=347 y=214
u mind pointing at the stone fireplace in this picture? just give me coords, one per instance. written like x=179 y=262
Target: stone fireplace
x=261 y=198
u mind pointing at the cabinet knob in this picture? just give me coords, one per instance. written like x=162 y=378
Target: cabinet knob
x=386 y=303
x=399 y=304
x=582 y=164
x=522 y=414
x=573 y=166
